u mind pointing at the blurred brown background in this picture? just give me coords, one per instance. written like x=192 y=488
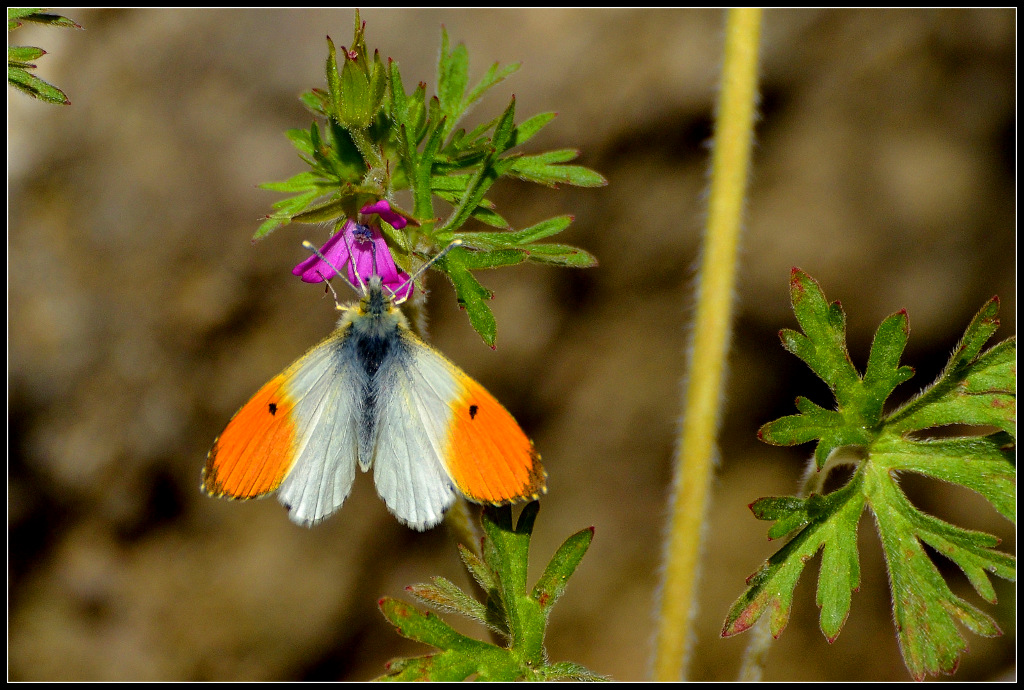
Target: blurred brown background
x=141 y=317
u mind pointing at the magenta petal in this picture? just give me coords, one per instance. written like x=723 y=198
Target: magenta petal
x=370 y=255
x=383 y=209
x=374 y=257
x=335 y=250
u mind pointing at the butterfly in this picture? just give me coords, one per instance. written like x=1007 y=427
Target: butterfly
x=374 y=395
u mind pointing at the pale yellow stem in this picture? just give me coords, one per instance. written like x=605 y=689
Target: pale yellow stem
x=710 y=341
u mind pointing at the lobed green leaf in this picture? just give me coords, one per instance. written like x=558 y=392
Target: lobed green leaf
x=977 y=388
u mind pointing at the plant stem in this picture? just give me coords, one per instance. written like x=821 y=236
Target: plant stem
x=366 y=148
x=710 y=341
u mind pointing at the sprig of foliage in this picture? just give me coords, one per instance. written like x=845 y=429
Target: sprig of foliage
x=19 y=58
x=976 y=388
x=517 y=613
x=378 y=140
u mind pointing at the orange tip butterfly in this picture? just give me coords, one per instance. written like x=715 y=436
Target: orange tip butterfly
x=373 y=394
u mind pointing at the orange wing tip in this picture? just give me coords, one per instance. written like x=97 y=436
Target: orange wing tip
x=212 y=486
x=537 y=487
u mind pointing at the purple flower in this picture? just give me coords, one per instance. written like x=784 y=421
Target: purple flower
x=370 y=254
x=383 y=209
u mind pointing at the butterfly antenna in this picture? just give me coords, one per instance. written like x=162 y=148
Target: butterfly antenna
x=308 y=246
x=422 y=269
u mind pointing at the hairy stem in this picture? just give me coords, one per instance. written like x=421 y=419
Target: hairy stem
x=710 y=341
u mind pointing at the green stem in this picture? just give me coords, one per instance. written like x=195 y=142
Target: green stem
x=366 y=148
x=710 y=340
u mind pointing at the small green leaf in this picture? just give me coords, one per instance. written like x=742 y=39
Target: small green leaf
x=495 y=75
x=545 y=169
x=356 y=98
x=19 y=57
x=333 y=80
x=34 y=14
x=528 y=129
x=520 y=238
x=504 y=130
x=446 y=596
x=35 y=87
x=471 y=295
x=560 y=255
x=563 y=564
x=323 y=213
x=510 y=609
x=23 y=55
x=452 y=78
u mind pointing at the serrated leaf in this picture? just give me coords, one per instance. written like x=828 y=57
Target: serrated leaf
x=771 y=587
x=19 y=57
x=975 y=388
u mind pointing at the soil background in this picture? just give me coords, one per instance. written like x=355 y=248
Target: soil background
x=140 y=317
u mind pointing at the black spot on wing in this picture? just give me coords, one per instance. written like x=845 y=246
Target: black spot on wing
x=273 y=408
x=472 y=411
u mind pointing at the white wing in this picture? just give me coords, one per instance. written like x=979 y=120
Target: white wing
x=414 y=388
x=329 y=387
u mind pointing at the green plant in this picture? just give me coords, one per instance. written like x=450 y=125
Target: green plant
x=379 y=140
x=978 y=389
x=378 y=143
x=19 y=58
x=512 y=610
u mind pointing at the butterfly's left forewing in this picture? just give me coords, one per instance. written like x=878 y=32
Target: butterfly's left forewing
x=297 y=435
